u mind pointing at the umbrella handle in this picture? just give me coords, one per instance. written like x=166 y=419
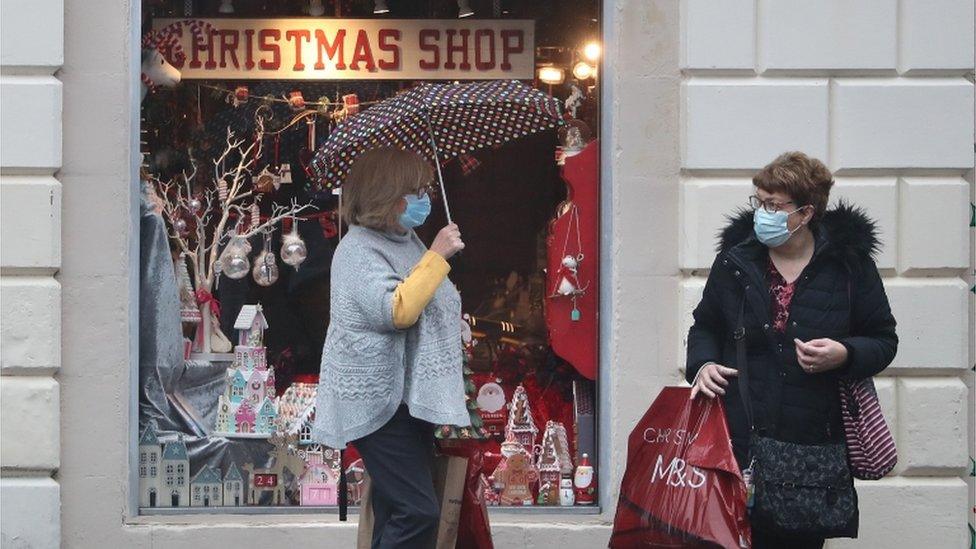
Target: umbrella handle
x=437 y=163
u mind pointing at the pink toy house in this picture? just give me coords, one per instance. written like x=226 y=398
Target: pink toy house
x=319 y=483
x=245 y=417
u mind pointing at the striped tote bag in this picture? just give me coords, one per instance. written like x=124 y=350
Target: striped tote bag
x=871 y=450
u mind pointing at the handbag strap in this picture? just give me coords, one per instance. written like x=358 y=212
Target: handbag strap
x=740 y=362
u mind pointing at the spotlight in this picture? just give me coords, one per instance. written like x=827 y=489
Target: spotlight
x=583 y=70
x=464 y=9
x=551 y=75
x=591 y=51
x=380 y=7
x=226 y=7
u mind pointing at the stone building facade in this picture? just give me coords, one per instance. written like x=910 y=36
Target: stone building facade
x=697 y=94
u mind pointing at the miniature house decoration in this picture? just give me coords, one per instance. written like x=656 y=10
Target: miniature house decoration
x=206 y=488
x=251 y=325
x=520 y=422
x=163 y=477
x=319 y=483
x=553 y=462
x=163 y=471
x=233 y=487
x=296 y=411
x=150 y=455
x=175 y=486
x=249 y=407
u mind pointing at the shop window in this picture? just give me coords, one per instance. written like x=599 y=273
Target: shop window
x=257 y=244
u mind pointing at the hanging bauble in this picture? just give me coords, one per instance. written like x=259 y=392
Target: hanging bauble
x=315 y=8
x=265 y=269
x=180 y=226
x=240 y=96
x=234 y=265
x=296 y=100
x=265 y=266
x=293 y=250
x=194 y=205
x=233 y=261
x=266 y=181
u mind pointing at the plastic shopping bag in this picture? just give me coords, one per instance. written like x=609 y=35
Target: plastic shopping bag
x=682 y=486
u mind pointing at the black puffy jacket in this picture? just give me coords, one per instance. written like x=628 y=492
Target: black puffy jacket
x=839 y=295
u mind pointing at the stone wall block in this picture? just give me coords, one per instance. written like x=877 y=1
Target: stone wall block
x=30 y=421
x=936 y=35
x=932 y=426
x=933 y=323
x=31 y=513
x=31 y=132
x=30 y=208
x=718 y=34
x=934 y=223
x=30 y=324
x=32 y=35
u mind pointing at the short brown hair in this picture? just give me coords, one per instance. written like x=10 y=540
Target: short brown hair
x=806 y=180
x=377 y=181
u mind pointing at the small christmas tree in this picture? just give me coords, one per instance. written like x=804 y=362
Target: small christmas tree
x=477 y=430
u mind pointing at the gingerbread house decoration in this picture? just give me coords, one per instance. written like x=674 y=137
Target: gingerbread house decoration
x=175 y=463
x=251 y=325
x=296 y=411
x=520 y=422
x=206 y=488
x=319 y=484
x=553 y=462
x=233 y=487
x=150 y=455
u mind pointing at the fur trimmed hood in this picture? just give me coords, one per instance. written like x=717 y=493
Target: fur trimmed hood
x=851 y=233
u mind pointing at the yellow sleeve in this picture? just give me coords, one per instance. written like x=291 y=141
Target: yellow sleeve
x=416 y=291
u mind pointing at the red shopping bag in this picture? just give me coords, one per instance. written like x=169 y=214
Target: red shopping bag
x=682 y=486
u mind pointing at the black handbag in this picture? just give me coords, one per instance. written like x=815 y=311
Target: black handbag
x=798 y=489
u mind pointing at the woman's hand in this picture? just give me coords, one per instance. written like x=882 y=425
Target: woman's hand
x=448 y=241
x=820 y=355
x=711 y=380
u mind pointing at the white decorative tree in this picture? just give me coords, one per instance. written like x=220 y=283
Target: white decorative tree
x=211 y=211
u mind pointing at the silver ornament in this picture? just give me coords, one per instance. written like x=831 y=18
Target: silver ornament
x=265 y=269
x=194 y=205
x=235 y=266
x=293 y=249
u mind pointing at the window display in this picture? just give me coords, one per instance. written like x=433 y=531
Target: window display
x=243 y=183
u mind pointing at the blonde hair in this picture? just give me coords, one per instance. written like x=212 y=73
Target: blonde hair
x=377 y=181
x=804 y=179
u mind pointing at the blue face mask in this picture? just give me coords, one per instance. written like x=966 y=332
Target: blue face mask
x=771 y=228
x=417 y=211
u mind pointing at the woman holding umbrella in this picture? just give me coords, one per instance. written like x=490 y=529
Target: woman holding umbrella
x=392 y=361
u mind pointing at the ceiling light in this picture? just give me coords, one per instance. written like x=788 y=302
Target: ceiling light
x=380 y=7
x=464 y=9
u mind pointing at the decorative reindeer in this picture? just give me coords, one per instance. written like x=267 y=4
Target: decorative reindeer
x=284 y=456
x=157 y=71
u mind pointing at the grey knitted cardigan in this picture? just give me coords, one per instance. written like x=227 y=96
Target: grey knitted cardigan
x=369 y=367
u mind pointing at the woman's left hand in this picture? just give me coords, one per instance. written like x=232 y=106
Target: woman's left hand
x=820 y=355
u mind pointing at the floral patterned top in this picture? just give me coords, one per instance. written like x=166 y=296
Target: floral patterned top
x=781 y=293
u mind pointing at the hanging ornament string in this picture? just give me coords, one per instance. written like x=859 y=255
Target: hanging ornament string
x=272 y=99
x=567 y=283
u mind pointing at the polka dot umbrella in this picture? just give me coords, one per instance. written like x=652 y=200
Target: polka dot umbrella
x=436 y=120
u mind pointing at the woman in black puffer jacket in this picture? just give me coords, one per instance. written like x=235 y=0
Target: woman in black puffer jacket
x=815 y=312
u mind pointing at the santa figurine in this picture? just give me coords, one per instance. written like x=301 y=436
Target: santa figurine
x=584 y=482
x=492 y=407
